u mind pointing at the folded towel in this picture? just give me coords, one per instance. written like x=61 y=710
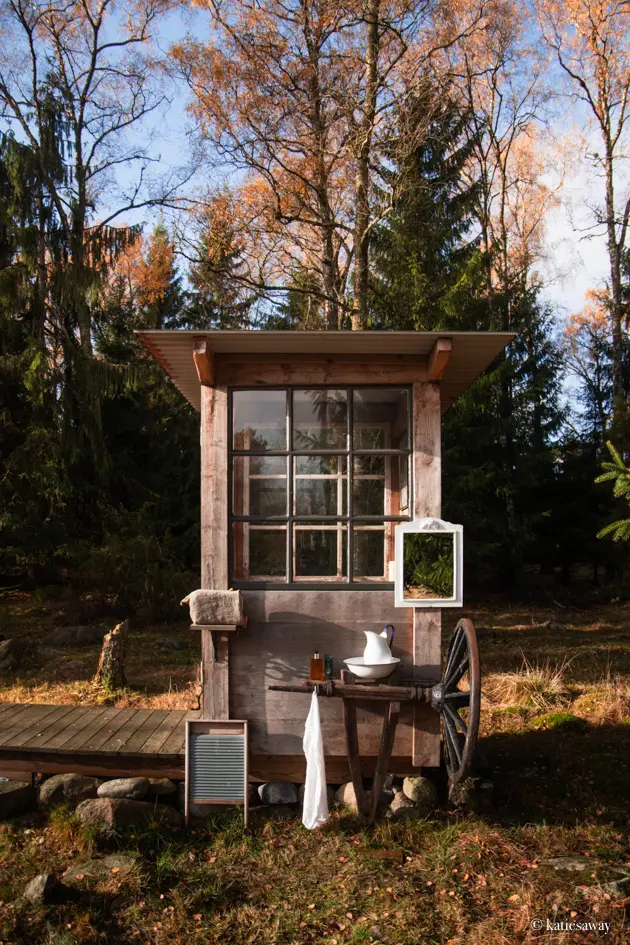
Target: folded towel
x=215 y=608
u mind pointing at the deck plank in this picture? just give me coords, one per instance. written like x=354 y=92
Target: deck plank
x=101 y=738
x=72 y=734
x=32 y=715
x=6 y=707
x=97 y=724
x=119 y=739
x=152 y=724
x=38 y=730
x=153 y=745
x=174 y=745
x=58 y=726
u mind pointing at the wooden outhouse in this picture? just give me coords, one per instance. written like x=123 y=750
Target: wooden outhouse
x=314 y=445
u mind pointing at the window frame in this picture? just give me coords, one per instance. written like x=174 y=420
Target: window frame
x=289 y=520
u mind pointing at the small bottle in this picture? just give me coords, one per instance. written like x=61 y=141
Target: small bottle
x=317 y=667
x=328 y=666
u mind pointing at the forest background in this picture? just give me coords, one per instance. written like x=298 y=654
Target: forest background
x=363 y=164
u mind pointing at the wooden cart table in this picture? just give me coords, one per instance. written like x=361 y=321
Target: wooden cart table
x=446 y=698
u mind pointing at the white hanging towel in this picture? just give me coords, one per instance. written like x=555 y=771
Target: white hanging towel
x=315 y=812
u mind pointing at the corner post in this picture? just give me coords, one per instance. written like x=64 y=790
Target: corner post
x=214 y=543
x=427 y=622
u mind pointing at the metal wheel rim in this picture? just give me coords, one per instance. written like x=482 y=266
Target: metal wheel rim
x=459 y=735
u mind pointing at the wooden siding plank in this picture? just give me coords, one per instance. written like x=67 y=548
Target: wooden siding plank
x=279 y=373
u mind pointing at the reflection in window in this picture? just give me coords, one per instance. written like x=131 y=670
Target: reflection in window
x=320 y=551
x=318 y=502
x=259 y=420
x=320 y=419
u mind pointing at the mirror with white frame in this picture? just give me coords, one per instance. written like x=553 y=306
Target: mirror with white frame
x=429 y=564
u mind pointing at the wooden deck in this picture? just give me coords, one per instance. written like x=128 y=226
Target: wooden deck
x=92 y=740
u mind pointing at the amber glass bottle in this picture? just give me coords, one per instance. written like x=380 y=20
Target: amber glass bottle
x=317 y=667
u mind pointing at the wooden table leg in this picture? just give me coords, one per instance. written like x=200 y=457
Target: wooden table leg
x=388 y=734
x=354 y=759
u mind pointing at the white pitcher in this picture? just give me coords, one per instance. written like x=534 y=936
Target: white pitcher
x=377 y=649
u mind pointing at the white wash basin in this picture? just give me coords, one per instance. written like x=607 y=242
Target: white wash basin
x=358 y=666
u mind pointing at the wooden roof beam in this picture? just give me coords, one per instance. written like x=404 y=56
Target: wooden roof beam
x=439 y=358
x=203 y=357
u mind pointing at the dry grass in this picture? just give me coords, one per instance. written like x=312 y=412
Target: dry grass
x=467 y=879
x=533 y=686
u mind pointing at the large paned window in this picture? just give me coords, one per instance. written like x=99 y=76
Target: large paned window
x=319 y=477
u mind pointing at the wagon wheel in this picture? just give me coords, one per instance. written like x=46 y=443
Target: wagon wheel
x=459 y=731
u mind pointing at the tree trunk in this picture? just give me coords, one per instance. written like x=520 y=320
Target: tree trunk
x=110 y=674
x=362 y=176
x=616 y=311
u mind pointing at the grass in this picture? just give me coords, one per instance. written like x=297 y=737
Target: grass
x=555 y=728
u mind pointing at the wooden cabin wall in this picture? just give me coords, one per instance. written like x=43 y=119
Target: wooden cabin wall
x=285 y=627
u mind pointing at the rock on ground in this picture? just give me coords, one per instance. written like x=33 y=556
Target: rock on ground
x=278 y=792
x=11 y=652
x=573 y=864
x=44 y=889
x=272 y=812
x=68 y=789
x=401 y=808
x=16 y=797
x=107 y=814
x=102 y=868
x=133 y=788
x=346 y=796
x=420 y=791
x=161 y=787
x=74 y=636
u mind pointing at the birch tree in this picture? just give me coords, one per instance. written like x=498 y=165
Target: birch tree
x=590 y=40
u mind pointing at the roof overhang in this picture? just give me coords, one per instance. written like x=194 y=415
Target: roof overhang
x=471 y=352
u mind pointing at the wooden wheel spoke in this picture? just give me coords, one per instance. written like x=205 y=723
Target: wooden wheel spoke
x=451 y=681
x=453 y=742
x=456 y=719
x=458 y=699
x=459 y=735
x=455 y=651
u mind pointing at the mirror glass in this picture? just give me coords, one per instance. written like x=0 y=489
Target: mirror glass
x=429 y=565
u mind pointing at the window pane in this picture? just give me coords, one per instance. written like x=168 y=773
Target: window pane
x=259 y=485
x=380 y=419
x=368 y=485
x=320 y=419
x=320 y=551
x=259 y=552
x=260 y=420
x=320 y=485
x=369 y=558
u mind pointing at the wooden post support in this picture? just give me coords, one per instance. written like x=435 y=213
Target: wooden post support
x=427 y=623
x=204 y=361
x=214 y=546
x=439 y=358
x=216 y=686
